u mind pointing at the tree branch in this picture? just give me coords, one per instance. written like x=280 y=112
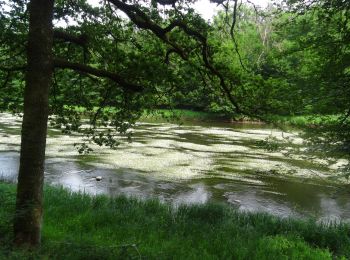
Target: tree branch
x=143 y=21
x=67 y=37
x=15 y=68
x=166 y=2
x=63 y=64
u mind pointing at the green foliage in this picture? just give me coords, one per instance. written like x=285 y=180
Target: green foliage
x=77 y=226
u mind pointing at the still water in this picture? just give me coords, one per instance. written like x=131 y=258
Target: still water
x=195 y=163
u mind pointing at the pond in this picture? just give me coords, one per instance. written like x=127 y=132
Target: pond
x=195 y=163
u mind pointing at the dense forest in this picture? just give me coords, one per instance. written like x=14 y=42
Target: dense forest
x=95 y=71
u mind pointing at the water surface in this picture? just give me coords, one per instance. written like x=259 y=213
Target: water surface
x=195 y=164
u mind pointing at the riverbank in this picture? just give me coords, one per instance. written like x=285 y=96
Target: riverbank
x=178 y=115
x=190 y=115
x=304 y=120
x=186 y=115
x=77 y=226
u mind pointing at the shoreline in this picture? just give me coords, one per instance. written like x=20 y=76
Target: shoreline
x=99 y=227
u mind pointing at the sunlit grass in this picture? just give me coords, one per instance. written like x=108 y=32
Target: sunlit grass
x=304 y=120
x=77 y=226
x=173 y=115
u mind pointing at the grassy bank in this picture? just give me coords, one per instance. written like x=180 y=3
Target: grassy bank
x=178 y=115
x=181 y=115
x=304 y=120
x=167 y=115
x=190 y=115
x=77 y=226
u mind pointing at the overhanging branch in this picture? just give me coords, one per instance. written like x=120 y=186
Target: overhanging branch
x=63 y=64
x=67 y=37
x=143 y=21
x=14 y=68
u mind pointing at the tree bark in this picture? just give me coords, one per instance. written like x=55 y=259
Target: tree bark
x=29 y=208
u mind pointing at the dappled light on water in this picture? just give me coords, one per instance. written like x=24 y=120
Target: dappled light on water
x=195 y=164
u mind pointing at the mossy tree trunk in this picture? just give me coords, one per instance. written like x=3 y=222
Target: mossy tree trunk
x=28 y=215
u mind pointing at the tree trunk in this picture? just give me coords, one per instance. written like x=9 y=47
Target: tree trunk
x=29 y=209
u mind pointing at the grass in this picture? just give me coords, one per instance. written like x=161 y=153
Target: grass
x=180 y=115
x=167 y=115
x=190 y=115
x=157 y=113
x=304 y=120
x=77 y=226
x=175 y=115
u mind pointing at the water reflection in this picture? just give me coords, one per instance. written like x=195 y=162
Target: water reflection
x=255 y=201
x=198 y=194
x=9 y=164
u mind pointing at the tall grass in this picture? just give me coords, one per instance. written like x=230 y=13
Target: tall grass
x=77 y=226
